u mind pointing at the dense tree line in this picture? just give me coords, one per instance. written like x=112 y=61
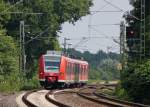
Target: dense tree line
x=103 y=66
x=39 y=16
x=135 y=78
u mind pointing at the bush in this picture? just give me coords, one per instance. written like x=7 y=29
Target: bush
x=121 y=93
x=9 y=73
x=10 y=83
x=136 y=82
x=31 y=83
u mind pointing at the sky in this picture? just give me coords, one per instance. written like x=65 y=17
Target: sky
x=98 y=30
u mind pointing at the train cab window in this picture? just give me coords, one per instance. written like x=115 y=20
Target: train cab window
x=52 y=64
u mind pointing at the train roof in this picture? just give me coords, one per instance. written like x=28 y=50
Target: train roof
x=68 y=58
x=52 y=55
x=75 y=60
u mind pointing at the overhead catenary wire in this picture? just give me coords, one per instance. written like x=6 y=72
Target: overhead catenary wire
x=121 y=10
x=112 y=24
x=21 y=1
x=18 y=12
x=38 y=35
x=118 y=10
x=85 y=39
x=113 y=5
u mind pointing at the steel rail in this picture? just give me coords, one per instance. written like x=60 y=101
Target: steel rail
x=111 y=101
x=26 y=101
x=55 y=102
x=79 y=93
x=110 y=98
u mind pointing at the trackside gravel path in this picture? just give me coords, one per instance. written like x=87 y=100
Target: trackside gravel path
x=38 y=98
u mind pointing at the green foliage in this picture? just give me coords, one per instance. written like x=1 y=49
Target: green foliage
x=29 y=84
x=3 y=17
x=10 y=83
x=121 y=93
x=54 y=14
x=109 y=68
x=94 y=74
x=136 y=81
x=9 y=73
x=8 y=54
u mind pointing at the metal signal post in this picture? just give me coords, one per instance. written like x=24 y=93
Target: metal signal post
x=22 y=57
x=123 y=46
x=65 y=44
x=142 y=30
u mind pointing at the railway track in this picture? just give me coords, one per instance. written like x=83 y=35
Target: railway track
x=49 y=99
x=100 y=98
x=88 y=94
x=26 y=101
x=52 y=100
x=104 y=96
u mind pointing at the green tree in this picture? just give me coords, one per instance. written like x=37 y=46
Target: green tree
x=3 y=17
x=135 y=78
x=136 y=81
x=9 y=73
x=53 y=14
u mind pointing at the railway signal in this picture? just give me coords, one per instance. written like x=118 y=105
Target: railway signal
x=133 y=41
x=130 y=32
x=130 y=36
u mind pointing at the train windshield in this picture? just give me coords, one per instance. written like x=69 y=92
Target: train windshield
x=52 y=64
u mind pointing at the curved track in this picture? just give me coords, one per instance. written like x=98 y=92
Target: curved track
x=31 y=100
x=100 y=98
x=51 y=100
x=88 y=94
x=59 y=104
x=26 y=101
x=104 y=96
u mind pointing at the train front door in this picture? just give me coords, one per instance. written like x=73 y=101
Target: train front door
x=77 y=72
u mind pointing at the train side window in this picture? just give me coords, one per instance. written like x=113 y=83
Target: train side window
x=67 y=65
x=82 y=70
x=68 y=68
x=79 y=71
x=73 y=67
x=85 y=70
x=78 y=68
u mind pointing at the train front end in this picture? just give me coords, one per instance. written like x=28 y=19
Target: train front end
x=49 y=65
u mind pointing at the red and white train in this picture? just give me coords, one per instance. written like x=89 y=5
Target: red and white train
x=58 y=70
